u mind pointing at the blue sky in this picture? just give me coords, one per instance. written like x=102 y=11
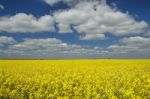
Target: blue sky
x=57 y=29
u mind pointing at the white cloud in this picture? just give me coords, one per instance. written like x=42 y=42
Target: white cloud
x=93 y=37
x=37 y=44
x=132 y=44
x=52 y=2
x=70 y=2
x=94 y=18
x=64 y=28
x=48 y=48
x=2 y=7
x=22 y=22
x=6 y=40
x=91 y=18
x=51 y=46
x=54 y=48
x=122 y=48
x=135 y=40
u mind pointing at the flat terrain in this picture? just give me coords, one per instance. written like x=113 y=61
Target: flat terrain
x=74 y=79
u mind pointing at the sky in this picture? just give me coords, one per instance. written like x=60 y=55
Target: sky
x=68 y=29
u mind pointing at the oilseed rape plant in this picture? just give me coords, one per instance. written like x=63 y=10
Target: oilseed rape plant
x=75 y=79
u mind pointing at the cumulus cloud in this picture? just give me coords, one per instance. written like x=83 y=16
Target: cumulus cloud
x=93 y=37
x=63 y=28
x=52 y=2
x=38 y=44
x=135 y=40
x=7 y=40
x=22 y=22
x=122 y=49
x=2 y=7
x=70 y=2
x=46 y=48
x=49 y=45
x=96 y=18
x=132 y=44
x=90 y=18
x=55 y=48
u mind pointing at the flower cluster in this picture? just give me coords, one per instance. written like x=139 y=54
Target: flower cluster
x=75 y=79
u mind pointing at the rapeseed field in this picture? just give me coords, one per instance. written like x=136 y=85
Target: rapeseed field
x=75 y=79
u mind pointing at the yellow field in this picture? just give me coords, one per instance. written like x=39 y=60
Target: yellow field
x=75 y=79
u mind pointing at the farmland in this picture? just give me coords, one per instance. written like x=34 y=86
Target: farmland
x=75 y=79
